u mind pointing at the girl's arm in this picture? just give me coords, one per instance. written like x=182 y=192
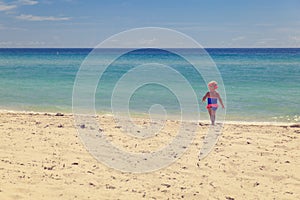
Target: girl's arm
x=220 y=99
x=205 y=96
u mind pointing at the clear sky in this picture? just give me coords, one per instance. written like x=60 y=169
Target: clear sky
x=213 y=23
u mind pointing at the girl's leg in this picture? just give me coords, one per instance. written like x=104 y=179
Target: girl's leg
x=212 y=116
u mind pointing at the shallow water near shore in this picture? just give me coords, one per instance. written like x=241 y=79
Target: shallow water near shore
x=261 y=84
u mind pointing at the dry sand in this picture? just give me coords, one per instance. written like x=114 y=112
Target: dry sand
x=42 y=157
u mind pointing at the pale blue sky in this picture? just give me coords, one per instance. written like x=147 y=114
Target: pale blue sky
x=213 y=23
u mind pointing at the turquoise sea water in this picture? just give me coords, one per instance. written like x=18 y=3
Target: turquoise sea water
x=260 y=84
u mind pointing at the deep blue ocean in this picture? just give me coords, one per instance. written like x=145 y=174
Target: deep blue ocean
x=261 y=84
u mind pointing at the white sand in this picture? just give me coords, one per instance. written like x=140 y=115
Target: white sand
x=41 y=157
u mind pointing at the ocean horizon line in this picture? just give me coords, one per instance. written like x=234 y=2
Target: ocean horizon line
x=151 y=47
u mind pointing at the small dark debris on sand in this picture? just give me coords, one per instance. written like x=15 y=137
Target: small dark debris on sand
x=110 y=187
x=82 y=126
x=201 y=124
x=229 y=198
x=256 y=184
x=92 y=184
x=295 y=126
x=75 y=163
x=165 y=184
x=49 y=168
x=59 y=114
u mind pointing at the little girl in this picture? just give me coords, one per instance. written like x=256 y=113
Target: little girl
x=212 y=100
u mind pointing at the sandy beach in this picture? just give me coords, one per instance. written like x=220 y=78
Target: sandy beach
x=42 y=157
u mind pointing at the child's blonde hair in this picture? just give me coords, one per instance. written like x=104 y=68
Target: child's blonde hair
x=213 y=84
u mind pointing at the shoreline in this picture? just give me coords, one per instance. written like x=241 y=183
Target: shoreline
x=143 y=117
